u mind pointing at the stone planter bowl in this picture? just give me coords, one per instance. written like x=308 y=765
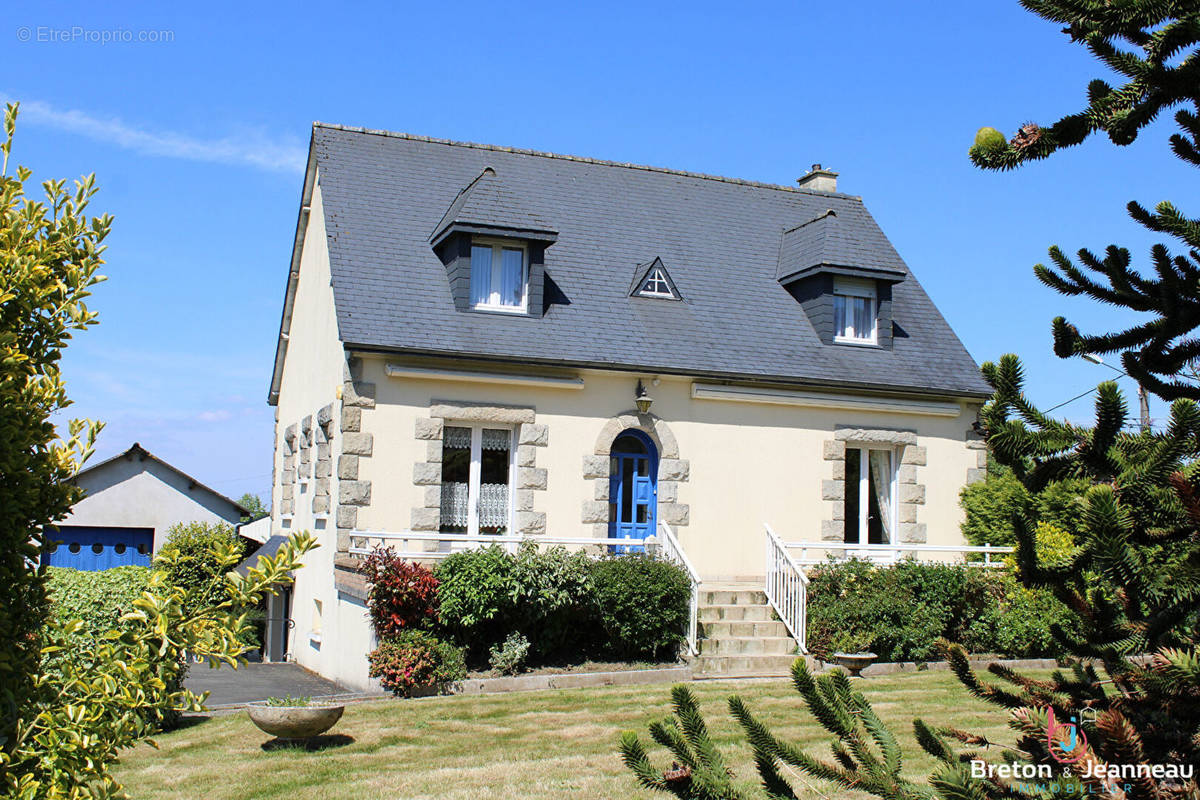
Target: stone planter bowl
x=855 y=663
x=294 y=722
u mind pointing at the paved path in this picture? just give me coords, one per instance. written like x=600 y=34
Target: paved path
x=230 y=686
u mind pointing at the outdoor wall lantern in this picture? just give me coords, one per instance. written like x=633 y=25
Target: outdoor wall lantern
x=642 y=399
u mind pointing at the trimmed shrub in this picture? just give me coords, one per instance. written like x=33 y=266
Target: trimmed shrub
x=196 y=568
x=509 y=658
x=991 y=503
x=642 y=603
x=900 y=611
x=475 y=598
x=97 y=599
x=403 y=594
x=552 y=601
x=414 y=660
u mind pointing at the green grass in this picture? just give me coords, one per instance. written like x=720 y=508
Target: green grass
x=549 y=744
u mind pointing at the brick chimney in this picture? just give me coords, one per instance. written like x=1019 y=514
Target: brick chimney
x=819 y=179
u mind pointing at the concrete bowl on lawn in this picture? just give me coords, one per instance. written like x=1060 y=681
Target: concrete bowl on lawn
x=294 y=722
x=854 y=663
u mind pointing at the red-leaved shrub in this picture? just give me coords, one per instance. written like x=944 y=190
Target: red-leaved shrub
x=415 y=660
x=403 y=594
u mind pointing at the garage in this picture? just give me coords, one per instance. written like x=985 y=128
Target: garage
x=95 y=548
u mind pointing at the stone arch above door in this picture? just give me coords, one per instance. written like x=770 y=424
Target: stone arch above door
x=672 y=471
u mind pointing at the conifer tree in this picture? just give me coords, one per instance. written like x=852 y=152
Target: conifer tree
x=1133 y=580
x=1152 y=45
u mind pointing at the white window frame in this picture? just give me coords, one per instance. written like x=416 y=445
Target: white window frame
x=864 y=494
x=845 y=290
x=657 y=275
x=475 y=472
x=498 y=247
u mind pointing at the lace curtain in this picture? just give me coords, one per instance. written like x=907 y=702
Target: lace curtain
x=881 y=474
x=455 y=511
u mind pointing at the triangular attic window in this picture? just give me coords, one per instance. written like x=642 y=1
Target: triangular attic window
x=655 y=282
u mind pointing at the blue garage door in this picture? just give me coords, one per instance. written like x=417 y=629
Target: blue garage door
x=83 y=547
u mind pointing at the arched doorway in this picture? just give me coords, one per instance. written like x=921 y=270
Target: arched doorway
x=633 y=486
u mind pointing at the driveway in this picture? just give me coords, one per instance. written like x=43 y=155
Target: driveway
x=232 y=687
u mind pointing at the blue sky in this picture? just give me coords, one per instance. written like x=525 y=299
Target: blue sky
x=198 y=141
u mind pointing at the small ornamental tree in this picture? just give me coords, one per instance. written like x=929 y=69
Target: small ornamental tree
x=50 y=258
x=403 y=594
x=62 y=728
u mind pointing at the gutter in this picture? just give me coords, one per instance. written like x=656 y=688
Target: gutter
x=289 y=300
x=791 y=382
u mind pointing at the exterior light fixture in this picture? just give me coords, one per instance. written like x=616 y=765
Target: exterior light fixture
x=642 y=399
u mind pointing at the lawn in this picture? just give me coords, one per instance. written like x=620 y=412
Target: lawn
x=550 y=744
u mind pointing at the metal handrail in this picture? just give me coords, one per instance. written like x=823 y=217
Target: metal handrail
x=786 y=587
x=895 y=549
x=673 y=550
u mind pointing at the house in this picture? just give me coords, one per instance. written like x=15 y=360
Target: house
x=131 y=500
x=481 y=340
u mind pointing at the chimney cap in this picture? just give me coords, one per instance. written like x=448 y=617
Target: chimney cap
x=819 y=179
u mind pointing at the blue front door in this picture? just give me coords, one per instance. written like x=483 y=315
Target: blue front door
x=632 y=489
x=93 y=548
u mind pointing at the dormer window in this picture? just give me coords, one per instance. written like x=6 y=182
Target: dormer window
x=854 y=307
x=499 y=275
x=656 y=285
x=652 y=280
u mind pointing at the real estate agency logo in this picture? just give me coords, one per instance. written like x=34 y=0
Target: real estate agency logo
x=1066 y=741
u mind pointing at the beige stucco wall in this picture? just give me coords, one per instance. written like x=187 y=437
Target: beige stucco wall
x=312 y=379
x=748 y=463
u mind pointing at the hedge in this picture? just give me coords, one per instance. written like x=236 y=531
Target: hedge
x=568 y=606
x=900 y=611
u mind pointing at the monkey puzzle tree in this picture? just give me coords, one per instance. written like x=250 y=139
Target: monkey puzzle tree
x=1133 y=579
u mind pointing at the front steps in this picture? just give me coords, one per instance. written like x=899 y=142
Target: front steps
x=741 y=635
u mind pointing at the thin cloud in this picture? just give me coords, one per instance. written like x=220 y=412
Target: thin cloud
x=251 y=148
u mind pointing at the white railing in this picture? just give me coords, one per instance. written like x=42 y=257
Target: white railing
x=671 y=550
x=445 y=544
x=433 y=546
x=786 y=587
x=890 y=553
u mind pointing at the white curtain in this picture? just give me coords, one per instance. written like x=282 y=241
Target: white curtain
x=481 y=274
x=864 y=325
x=839 y=315
x=512 y=278
x=881 y=474
x=455 y=511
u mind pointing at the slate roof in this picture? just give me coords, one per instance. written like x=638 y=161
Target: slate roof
x=386 y=194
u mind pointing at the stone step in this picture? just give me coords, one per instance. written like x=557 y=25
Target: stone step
x=747 y=646
x=733 y=597
x=736 y=613
x=736 y=666
x=718 y=630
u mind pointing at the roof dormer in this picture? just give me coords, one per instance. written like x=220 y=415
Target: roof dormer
x=847 y=298
x=493 y=247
